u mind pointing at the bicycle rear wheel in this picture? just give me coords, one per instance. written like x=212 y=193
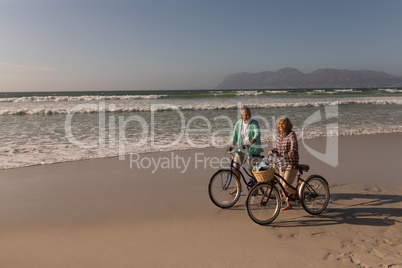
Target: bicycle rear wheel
x=263 y=203
x=315 y=194
x=224 y=188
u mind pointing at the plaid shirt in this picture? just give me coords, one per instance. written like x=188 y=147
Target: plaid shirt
x=285 y=144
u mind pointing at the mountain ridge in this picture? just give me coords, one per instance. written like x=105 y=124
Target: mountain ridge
x=288 y=78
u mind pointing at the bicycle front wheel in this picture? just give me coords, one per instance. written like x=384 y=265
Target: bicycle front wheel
x=263 y=203
x=224 y=188
x=315 y=194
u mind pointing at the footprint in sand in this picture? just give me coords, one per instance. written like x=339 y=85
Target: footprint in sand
x=321 y=234
x=288 y=235
x=374 y=189
x=371 y=252
x=349 y=256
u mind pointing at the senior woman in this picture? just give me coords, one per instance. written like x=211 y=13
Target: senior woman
x=286 y=145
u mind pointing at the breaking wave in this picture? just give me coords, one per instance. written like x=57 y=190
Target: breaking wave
x=79 y=98
x=190 y=106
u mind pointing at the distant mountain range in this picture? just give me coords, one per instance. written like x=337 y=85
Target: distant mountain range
x=322 y=78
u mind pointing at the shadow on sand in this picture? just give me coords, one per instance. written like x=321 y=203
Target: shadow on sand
x=369 y=210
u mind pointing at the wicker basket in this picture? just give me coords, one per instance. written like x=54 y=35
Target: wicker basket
x=264 y=175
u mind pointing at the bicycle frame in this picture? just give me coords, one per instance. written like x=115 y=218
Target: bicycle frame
x=232 y=168
x=278 y=179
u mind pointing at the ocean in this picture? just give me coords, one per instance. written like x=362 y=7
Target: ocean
x=52 y=127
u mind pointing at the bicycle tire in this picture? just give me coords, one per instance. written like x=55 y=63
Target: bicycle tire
x=260 y=208
x=221 y=184
x=315 y=194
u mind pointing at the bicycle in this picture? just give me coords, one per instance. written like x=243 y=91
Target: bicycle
x=264 y=199
x=224 y=187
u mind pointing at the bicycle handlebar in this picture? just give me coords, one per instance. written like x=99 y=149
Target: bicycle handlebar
x=277 y=161
x=281 y=159
x=232 y=151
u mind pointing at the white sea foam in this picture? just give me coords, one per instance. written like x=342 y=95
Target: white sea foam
x=347 y=90
x=336 y=91
x=391 y=90
x=276 y=91
x=196 y=106
x=248 y=93
x=216 y=93
x=80 y=98
x=30 y=155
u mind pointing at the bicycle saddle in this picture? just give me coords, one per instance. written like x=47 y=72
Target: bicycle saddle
x=303 y=167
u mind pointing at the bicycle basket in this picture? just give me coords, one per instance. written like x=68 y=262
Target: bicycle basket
x=264 y=175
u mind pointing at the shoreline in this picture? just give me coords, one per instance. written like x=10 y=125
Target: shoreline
x=99 y=212
x=193 y=149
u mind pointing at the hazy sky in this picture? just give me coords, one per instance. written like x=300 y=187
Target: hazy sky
x=188 y=44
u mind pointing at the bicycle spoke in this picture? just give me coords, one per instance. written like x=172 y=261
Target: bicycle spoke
x=224 y=189
x=315 y=195
x=263 y=203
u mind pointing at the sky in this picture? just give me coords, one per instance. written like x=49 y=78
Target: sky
x=71 y=45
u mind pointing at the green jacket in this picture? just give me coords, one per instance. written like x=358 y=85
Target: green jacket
x=253 y=133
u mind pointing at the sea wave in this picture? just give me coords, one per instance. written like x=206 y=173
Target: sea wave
x=276 y=91
x=347 y=90
x=79 y=98
x=390 y=90
x=23 y=156
x=190 y=107
x=334 y=91
x=248 y=93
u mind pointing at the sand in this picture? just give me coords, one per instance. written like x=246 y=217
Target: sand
x=102 y=213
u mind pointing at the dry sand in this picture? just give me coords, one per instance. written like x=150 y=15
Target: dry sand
x=101 y=213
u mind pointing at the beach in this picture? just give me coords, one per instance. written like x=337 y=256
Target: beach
x=102 y=213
